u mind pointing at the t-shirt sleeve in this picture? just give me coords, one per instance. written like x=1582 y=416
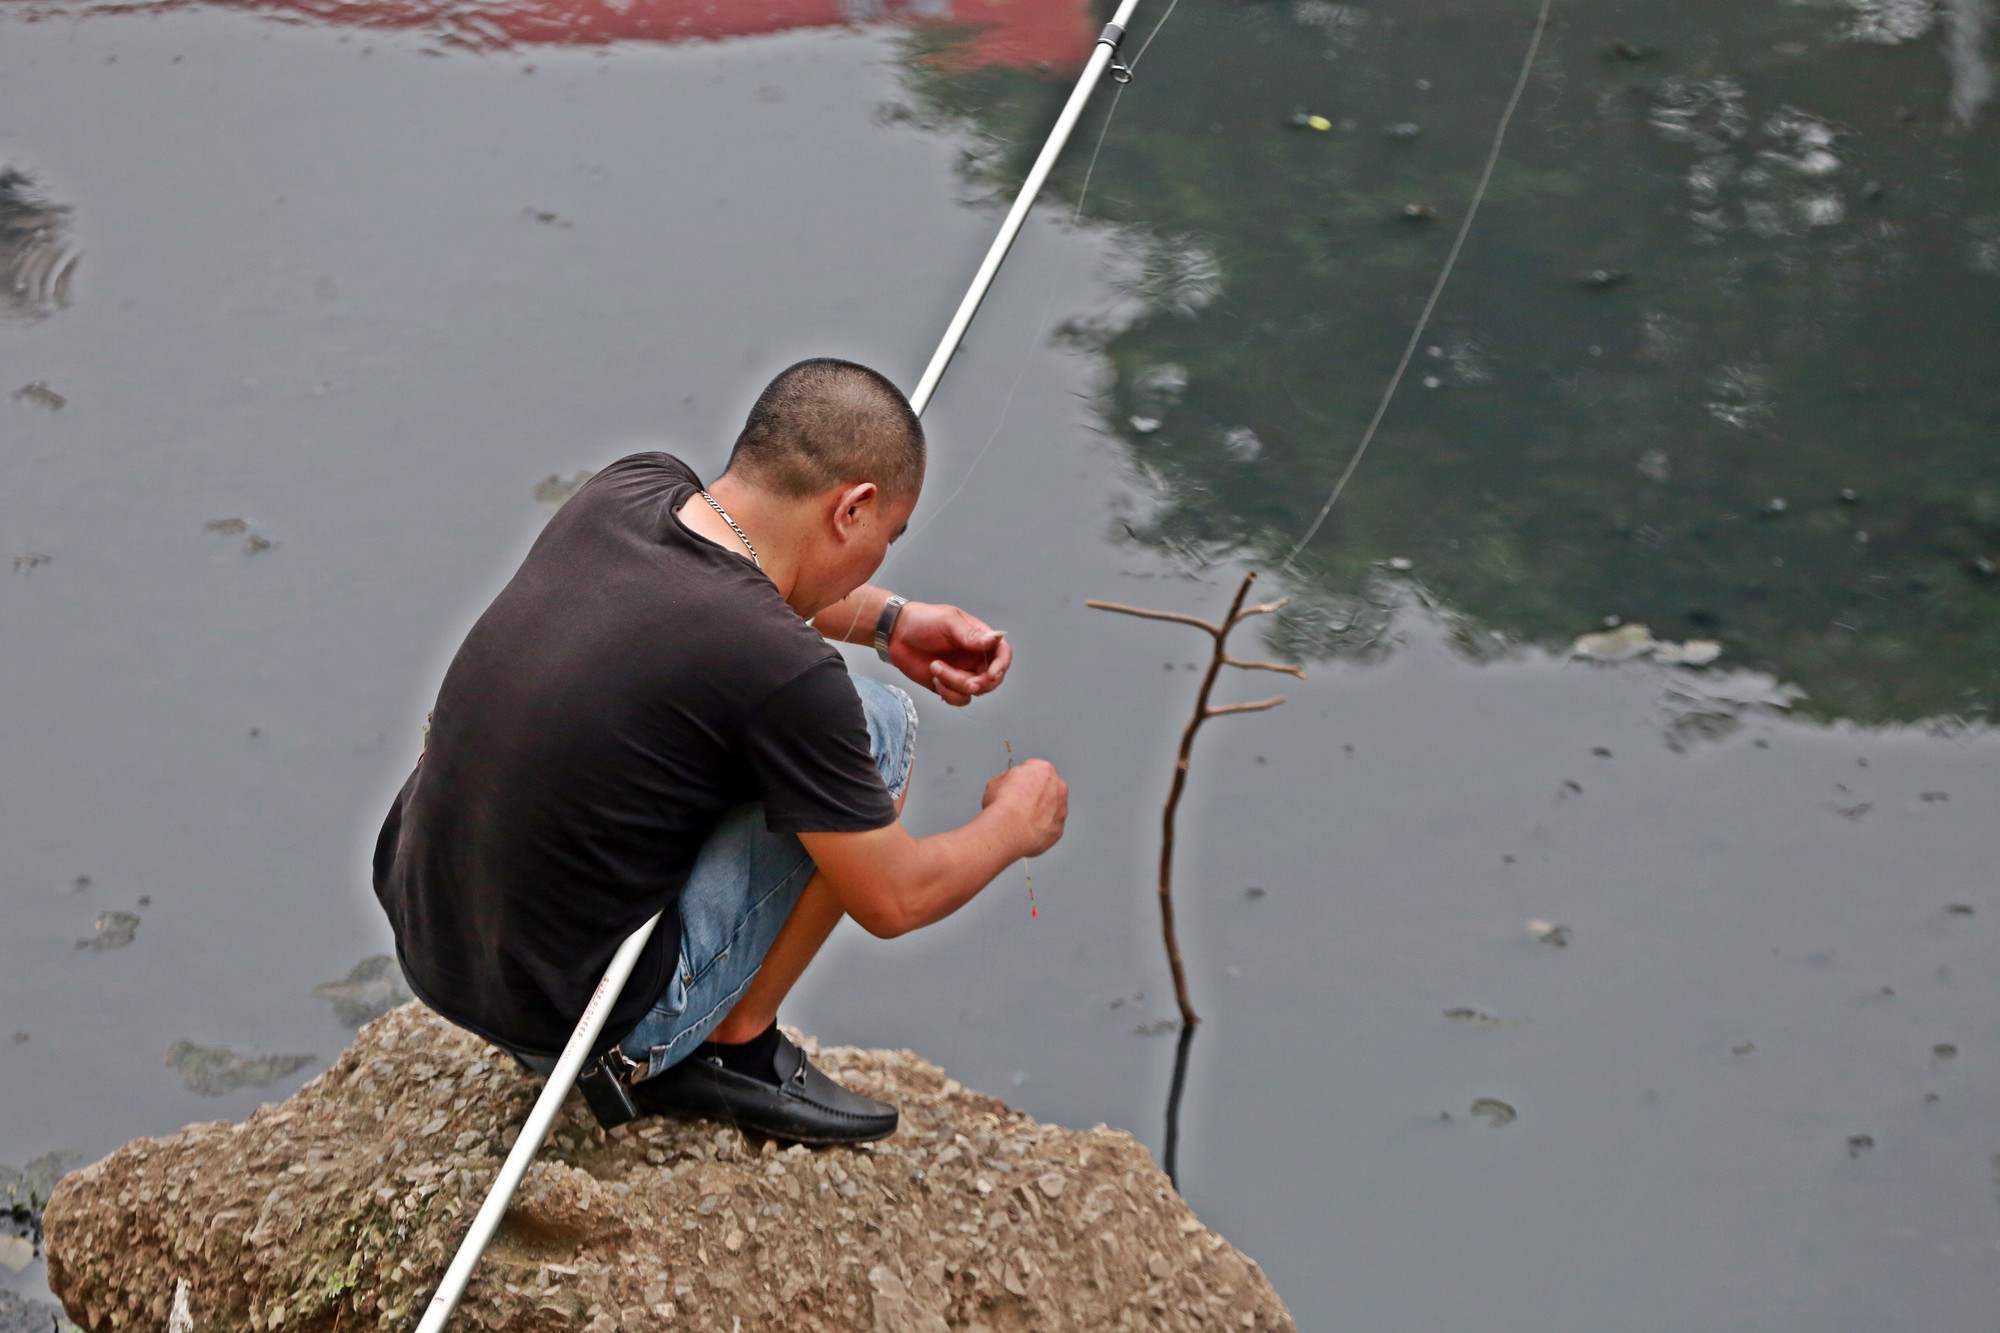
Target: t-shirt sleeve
x=808 y=747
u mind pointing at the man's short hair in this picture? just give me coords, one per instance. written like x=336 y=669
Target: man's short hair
x=825 y=422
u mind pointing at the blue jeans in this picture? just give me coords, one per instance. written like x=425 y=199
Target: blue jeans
x=745 y=882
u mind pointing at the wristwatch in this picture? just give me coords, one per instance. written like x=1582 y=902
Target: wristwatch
x=885 y=624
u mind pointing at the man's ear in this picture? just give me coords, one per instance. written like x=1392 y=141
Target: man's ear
x=853 y=504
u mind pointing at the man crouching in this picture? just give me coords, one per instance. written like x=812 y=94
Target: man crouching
x=649 y=718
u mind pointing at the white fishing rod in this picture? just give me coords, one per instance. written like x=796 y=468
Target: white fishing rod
x=583 y=1047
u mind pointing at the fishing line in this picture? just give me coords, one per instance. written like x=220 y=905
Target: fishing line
x=1061 y=280
x=1437 y=290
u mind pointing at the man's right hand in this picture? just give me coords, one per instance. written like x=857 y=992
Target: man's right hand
x=891 y=883
x=1037 y=798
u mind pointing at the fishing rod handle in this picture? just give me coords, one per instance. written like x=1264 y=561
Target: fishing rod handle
x=582 y=1046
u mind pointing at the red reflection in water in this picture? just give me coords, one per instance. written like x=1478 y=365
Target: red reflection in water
x=1051 y=35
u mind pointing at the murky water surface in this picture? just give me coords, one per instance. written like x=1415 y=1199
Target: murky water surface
x=1540 y=993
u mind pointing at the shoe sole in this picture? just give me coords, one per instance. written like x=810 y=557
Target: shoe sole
x=782 y=1136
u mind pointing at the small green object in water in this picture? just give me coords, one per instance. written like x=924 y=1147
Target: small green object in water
x=1497 y=1112
x=114 y=930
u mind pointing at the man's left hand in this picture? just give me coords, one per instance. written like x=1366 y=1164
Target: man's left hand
x=946 y=650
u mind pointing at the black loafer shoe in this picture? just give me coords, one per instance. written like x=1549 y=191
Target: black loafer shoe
x=803 y=1106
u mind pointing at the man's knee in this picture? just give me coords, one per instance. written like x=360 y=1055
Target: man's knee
x=892 y=732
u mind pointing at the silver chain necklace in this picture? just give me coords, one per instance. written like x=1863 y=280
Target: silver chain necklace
x=747 y=545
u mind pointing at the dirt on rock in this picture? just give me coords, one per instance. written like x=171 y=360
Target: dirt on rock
x=340 y=1207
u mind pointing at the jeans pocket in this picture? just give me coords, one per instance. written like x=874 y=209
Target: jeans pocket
x=675 y=1001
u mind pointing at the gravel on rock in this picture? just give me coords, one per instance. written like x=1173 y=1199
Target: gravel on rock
x=341 y=1206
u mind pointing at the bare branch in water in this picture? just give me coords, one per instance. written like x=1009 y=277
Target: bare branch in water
x=1261 y=609
x=1256 y=707
x=1203 y=711
x=1265 y=666
x=1144 y=614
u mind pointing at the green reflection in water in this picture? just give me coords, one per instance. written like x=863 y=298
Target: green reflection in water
x=1722 y=356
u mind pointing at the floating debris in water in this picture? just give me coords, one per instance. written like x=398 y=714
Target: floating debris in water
x=20 y=1035
x=1479 y=1018
x=1418 y=212
x=36 y=261
x=1849 y=496
x=1305 y=120
x=37 y=1180
x=1144 y=425
x=1888 y=22
x=114 y=930
x=1744 y=1049
x=1164 y=383
x=253 y=544
x=371 y=989
x=1253 y=893
x=77 y=885
x=1601 y=751
x=1602 y=279
x=1695 y=652
x=212 y=1071
x=39 y=394
x=1496 y=1112
x=1944 y=1050
x=23 y=1194
x=1615 y=645
x=1620 y=49
x=1983 y=567
x=551 y=491
x=1859 y=1143
x=1654 y=465
x=1740 y=398
x=29 y=563
x=1243 y=443
x=1636 y=640
x=1157 y=1027
x=1822 y=210
x=1958 y=909
x=1548 y=932
x=1400 y=563
x=1402 y=130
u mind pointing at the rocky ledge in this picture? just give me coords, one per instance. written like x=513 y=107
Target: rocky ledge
x=340 y=1207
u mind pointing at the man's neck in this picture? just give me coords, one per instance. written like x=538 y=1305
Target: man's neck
x=765 y=522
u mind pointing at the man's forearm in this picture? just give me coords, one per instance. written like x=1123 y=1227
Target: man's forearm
x=952 y=867
x=852 y=618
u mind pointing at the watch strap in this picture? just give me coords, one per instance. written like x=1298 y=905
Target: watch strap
x=885 y=624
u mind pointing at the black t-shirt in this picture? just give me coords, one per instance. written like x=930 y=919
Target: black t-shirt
x=630 y=685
